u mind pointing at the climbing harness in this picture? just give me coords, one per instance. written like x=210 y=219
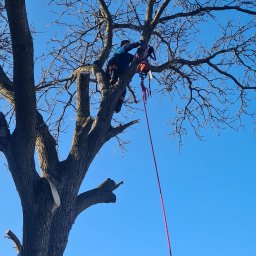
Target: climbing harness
x=143 y=70
x=144 y=67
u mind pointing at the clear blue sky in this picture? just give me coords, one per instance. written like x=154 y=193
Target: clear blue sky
x=209 y=190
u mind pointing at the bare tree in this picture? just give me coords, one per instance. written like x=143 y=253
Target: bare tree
x=210 y=83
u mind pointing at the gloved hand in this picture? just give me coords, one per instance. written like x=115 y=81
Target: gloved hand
x=141 y=43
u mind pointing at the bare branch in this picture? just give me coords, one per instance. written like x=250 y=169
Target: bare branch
x=231 y=77
x=206 y=10
x=149 y=11
x=109 y=34
x=135 y=11
x=44 y=85
x=119 y=129
x=127 y=26
x=10 y=235
x=159 y=13
x=132 y=93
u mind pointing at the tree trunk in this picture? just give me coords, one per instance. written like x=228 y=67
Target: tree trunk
x=45 y=228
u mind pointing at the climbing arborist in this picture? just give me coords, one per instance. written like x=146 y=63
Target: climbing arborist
x=118 y=64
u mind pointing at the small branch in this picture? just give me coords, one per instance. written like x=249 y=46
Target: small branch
x=205 y=10
x=127 y=26
x=231 y=77
x=135 y=12
x=133 y=94
x=119 y=129
x=196 y=62
x=161 y=68
x=10 y=235
x=69 y=80
x=101 y=194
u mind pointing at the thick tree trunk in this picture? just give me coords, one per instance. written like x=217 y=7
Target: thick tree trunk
x=45 y=235
x=37 y=218
x=36 y=230
x=60 y=228
x=45 y=229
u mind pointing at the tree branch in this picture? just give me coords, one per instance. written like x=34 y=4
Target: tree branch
x=119 y=129
x=102 y=194
x=159 y=13
x=149 y=11
x=109 y=34
x=23 y=78
x=135 y=12
x=69 y=80
x=132 y=93
x=10 y=235
x=205 y=10
x=127 y=26
x=231 y=77
x=196 y=62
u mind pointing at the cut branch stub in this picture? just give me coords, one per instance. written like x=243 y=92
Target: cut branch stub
x=102 y=194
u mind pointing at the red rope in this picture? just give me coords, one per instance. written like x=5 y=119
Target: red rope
x=144 y=92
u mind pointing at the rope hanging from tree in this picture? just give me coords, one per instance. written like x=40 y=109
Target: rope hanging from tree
x=143 y=70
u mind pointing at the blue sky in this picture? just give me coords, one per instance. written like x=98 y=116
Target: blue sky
x=209 y=190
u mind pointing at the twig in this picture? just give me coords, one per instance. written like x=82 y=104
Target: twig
x=10 y=235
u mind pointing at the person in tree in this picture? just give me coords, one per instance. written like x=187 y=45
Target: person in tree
x=118 y=64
